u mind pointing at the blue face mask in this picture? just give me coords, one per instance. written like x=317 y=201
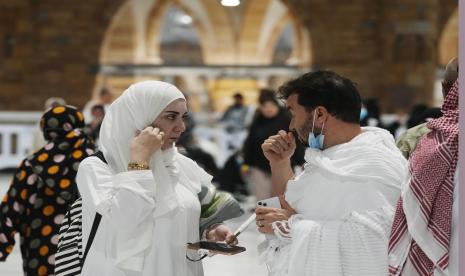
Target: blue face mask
x=316 y=142
x=363 y=113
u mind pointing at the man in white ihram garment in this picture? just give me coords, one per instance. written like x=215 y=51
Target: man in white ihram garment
x=152 y=199
x=336 y=215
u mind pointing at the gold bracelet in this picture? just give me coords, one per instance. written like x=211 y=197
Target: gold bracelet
x=137 y=166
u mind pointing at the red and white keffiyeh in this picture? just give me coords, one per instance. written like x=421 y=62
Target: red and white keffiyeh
x=421 y=229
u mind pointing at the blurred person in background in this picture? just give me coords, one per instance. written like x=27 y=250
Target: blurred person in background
x=105 y=98
x=235 y=121
x=398 y=125
x=38 y=140
x=42 y=190
x=416 y=115
x=370 y=114
x=269 y=118
x=231 y=177
x=93 y=128
x=234 y=118
x=190 y=148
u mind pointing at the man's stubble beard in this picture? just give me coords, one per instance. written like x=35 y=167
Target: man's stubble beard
x=304 y=130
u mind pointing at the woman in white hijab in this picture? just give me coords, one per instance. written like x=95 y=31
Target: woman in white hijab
x=148 y=194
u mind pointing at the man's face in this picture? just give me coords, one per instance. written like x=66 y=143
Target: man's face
x=98 y=113
x=171 y=122
x=238 y=101
x=301 y=120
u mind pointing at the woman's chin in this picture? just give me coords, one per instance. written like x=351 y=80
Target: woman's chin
x=167 y=146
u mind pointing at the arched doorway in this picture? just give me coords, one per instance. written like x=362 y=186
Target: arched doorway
x=231 y=48
x=449 y=40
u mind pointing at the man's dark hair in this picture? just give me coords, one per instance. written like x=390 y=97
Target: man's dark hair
x=99 y=107
x=238 y=96
x=328 y=89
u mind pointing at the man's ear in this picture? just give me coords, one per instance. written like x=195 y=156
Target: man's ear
x=321 y=114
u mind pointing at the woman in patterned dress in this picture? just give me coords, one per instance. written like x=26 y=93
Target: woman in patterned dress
x=42 y=189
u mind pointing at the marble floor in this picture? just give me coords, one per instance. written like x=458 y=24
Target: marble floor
x=243 y=264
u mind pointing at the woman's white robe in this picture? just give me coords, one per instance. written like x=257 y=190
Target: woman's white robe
x=127 y=202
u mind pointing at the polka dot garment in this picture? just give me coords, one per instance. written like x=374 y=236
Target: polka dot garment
x=42 y=189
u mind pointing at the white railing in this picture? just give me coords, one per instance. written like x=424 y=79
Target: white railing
x=17 y=131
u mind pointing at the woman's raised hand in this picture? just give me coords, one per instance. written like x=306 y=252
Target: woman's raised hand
x=145 y=144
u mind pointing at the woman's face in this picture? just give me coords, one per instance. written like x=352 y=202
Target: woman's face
x=269 y=109
x=171 y=122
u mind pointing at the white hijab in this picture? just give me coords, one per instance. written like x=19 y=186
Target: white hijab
x=134 y=110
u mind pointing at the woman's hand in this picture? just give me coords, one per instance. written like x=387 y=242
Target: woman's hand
x=145 y=144
x=266 y=216
x=221 y=232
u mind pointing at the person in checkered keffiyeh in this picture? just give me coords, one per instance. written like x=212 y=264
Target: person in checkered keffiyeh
x=424 y=233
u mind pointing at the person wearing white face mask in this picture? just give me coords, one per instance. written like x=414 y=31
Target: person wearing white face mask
x=336 y=215
x=153 y=200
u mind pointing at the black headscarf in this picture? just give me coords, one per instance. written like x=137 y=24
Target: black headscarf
x=57 y=162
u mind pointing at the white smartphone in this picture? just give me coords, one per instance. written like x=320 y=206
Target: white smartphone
x=272 y=202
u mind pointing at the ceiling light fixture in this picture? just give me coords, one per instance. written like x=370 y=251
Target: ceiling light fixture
x=230 y=3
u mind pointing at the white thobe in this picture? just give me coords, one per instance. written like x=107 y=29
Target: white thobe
x=126 y=202
x=344 y=199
